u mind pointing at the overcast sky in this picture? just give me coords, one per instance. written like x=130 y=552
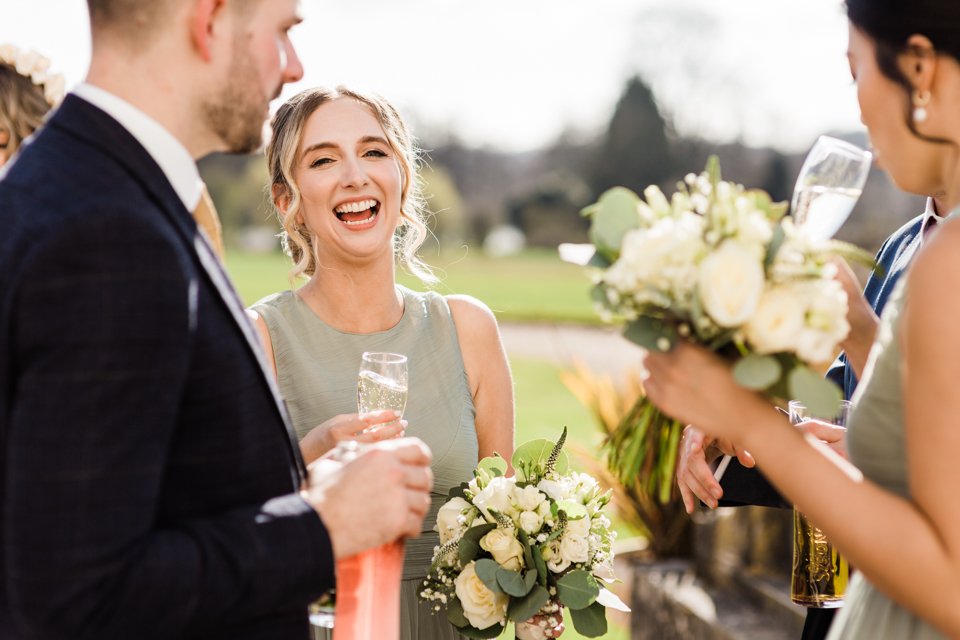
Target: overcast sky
x=513 y=74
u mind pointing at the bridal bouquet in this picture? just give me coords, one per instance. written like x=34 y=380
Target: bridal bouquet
x=719 y=265
x=512 y=548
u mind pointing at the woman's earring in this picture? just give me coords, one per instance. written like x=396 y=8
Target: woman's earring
x=920 y=101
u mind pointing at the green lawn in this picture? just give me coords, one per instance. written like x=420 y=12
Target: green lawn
x=534 y=286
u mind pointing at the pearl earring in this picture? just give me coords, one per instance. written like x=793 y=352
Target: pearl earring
x=920 y=102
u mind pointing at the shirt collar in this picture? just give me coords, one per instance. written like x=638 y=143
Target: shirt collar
x=930 y=217
x=169 y=153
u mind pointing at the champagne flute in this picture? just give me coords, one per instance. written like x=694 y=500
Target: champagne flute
x=382 y=383
x=820 y=573
x=830 y=182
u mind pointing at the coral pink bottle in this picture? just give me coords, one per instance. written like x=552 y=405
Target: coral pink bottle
x=368 y=594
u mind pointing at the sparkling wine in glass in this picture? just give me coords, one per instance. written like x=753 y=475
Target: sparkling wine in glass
x=382 y=382
x=830 y=182
x=820 y=573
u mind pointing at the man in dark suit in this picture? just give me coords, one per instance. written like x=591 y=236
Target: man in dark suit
x=150 y=484
x=742 y=484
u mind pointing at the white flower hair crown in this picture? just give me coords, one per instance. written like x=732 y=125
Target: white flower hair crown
x=32 y=65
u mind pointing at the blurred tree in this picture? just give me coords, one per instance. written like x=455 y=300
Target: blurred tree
x=549 y=213
x=447 y=221
x=238 y=186
x=635 y=151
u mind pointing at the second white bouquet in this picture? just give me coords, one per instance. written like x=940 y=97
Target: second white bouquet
x=722 y=266
x=512 y=548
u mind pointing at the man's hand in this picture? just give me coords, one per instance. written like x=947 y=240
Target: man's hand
x=830 y=434
x=861 y=316
x=379 y=497
x=694 y=472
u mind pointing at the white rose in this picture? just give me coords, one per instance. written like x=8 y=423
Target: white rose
x=777 y=322
x=495 y=495
x=586 y=486
x=574 y=548
x=531 y=521
x=504 y=547
x=556 y=490
x=555 y=560
x=482 y=607
x=730 y=282
x=815 y=346
x=528 y=498
x=451 y=520
x=579 y=527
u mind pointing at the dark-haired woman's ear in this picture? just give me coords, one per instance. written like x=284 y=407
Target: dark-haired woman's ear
x=919 y=62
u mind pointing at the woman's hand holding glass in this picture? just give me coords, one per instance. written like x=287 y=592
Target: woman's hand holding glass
x=363 y=428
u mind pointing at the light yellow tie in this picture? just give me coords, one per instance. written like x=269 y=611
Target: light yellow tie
x=207 y=219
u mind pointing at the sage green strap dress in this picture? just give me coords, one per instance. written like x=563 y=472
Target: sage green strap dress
x=876 y=445
x=317 y=369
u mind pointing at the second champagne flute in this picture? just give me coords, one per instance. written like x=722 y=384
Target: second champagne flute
x=829 y=184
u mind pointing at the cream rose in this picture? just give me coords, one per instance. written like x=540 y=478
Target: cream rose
x=482 y=607
x=504 y=547
x=730 y=282
x=574 y=548
x=777 y=322
x=528 y=498
x=452 y=520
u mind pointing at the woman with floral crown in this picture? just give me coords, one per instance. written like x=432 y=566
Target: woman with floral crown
x=27 y=93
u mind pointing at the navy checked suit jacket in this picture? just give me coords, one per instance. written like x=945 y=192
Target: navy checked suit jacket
x=742 y=486
x=149 y=481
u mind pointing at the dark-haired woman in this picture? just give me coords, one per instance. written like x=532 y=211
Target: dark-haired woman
x=895 y=511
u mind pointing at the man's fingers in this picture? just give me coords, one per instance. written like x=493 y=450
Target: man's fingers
x=407 y=450
x=823 y=430
x=418 y=478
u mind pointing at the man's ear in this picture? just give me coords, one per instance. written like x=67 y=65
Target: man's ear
x=205 y=23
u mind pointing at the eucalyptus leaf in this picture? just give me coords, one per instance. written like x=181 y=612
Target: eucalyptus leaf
x=457 y=491
x=487 y=572
x=529 y=579
x=455 y=613
x=591 y=621
x=522 y=609
x=779 y=235
x=652 y=334
x=511 y=582
x=599 y=261
x=534 y=455
x=577 y=589
x=821 y=396
x=527 y=551
x=757 y=372
x=495 y=465
x=614 y=214
x=470 y=542
x=540 y=565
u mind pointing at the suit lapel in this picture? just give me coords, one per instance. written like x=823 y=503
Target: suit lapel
x=98 y=129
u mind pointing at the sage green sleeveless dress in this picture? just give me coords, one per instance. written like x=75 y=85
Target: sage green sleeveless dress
x=876 y=445
x=317 y=369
